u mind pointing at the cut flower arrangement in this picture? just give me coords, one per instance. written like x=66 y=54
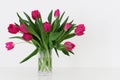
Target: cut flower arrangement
x=45 y=36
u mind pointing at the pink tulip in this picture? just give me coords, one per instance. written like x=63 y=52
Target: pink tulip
x=9 y=45
x=47 y=27
x=57 y=13
x=35 y=14
x=67 y=26
x=27 y=36
x=22 y=28
x=80 y=30
x=13 y=29
x=69 y=46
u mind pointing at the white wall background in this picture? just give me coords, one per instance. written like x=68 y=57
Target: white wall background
x=99 y=47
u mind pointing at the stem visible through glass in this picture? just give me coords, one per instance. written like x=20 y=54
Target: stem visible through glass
x=45 y=62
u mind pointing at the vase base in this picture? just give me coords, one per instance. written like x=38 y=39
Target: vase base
x=45 y=76
x=44 y=73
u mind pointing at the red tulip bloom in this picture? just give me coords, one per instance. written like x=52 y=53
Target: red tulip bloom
x=35 y=14
x=9 y=45
x=27 y=36
x=22 y=28
x=57 y=13
x=13 y=29
x=47 y=27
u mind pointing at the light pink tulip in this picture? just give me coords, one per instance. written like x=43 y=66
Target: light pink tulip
x=69 y=46
x=57 y=13
x=67 y=26
x=80 y=30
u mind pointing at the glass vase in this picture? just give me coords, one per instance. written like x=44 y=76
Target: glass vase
x=45 y=63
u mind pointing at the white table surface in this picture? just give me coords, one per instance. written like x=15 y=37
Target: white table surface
x=61 y=74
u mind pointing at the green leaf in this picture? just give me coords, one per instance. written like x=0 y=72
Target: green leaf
x=50 y=44
x=32 y=25
x=56 y=52
x=50 y=17
x=66 y=33
x=36 y=43
x=62 y=26
x=31 y=31
x=71 y=21
x=62 y=16
x=31 y=55
x=29 y=19
x=16 y=24
x=58 y=21
x=55 y=25
x=19 y=16
x=71 y=28
x=60 y=47
x=22 y=21
x=66 y=37
x=43 y=34
x=65 y=21
x=26 y=21
x=72 y=52
x=39 y=25
x=18 y=37
x=69 y=36
x=54 y=35
x=66 y=52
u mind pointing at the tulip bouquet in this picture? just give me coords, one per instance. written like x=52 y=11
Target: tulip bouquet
x=45 y=36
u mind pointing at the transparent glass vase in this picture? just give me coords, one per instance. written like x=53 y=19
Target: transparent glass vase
x=45 y=63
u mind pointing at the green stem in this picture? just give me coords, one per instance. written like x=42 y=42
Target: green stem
x=45 y=61
x=61 y=36
x=24 y=42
